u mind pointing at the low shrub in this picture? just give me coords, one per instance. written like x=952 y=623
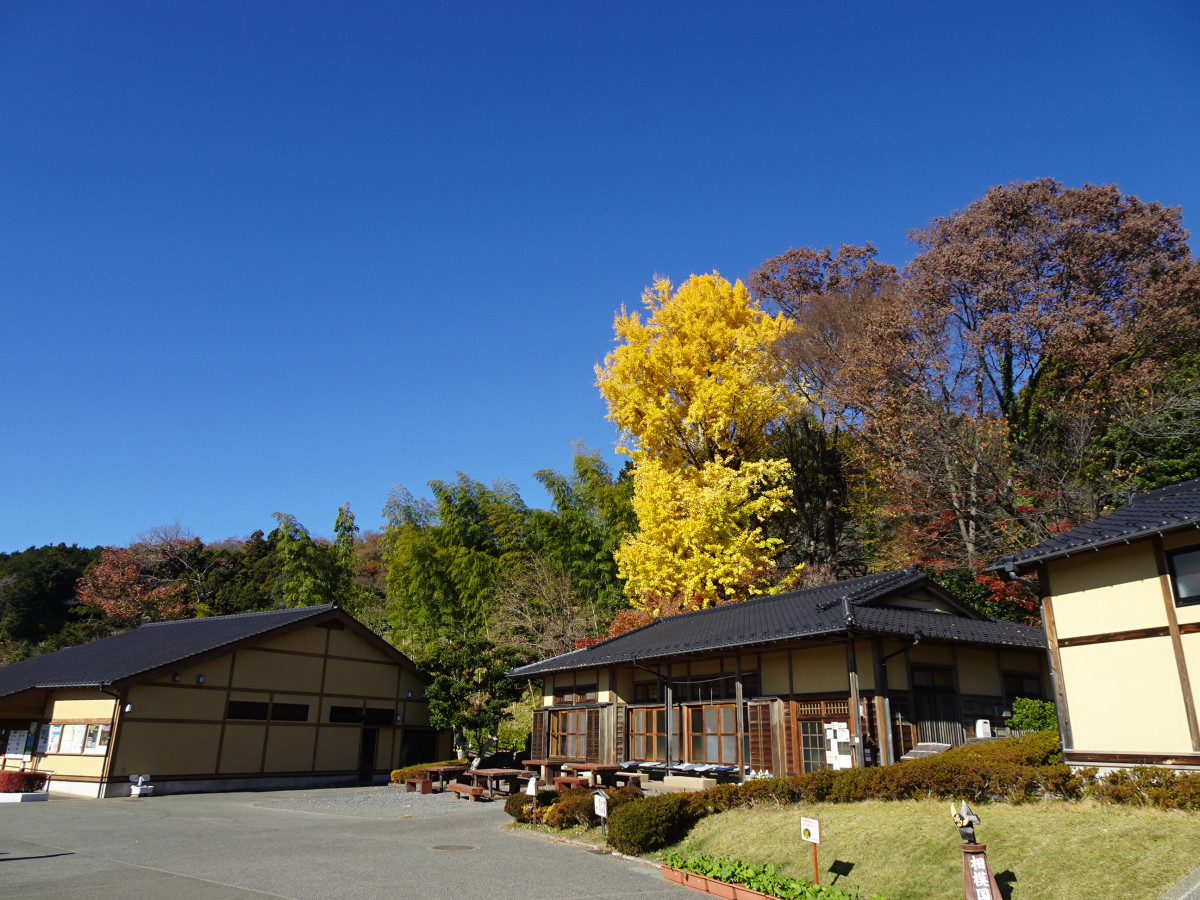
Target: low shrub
x=1143 y=786
x=399 y=776
x=652 y=822
x=22 y=782
x=618 y=797
x=573 y=807
x=520 y=806
x=1033 y=715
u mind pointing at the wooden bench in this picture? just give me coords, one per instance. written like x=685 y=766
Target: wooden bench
x=465 y=790
x=632 y=778
x=563 y=782
x=420 y=785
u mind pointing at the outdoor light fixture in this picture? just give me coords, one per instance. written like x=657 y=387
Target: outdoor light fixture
x=199 y=679
x=410 y=695
x=128 y=707
x=175 y=677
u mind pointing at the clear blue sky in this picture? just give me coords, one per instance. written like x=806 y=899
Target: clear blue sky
x=261 y=256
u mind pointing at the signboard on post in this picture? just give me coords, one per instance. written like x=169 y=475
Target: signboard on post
x=978 y=881
x=810 y=830
x=531 y=788
x=600 y=805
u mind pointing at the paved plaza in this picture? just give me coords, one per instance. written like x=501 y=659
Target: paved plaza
x=372 y=842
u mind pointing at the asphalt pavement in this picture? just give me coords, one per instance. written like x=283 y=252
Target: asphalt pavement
x=375 y=842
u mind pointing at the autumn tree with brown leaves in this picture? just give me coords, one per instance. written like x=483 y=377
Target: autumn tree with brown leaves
x=128 y=592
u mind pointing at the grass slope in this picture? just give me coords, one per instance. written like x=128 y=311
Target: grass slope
x=908 y=850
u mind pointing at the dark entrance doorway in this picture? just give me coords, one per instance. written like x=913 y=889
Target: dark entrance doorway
x=366 y=754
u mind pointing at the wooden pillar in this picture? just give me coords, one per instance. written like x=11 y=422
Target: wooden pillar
x=1185 y=682
x=740 y=712
x=668 y=696
x=855 y=710
x=1055 y=658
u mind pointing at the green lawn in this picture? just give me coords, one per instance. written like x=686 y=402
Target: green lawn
x=909 y=850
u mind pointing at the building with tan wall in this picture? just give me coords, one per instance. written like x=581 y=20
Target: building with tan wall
x=267 y=700
x=1121 y=605
x=850 y=673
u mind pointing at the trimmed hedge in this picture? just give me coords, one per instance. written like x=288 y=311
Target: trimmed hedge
x=565 y=809
x=22 y=782
x=652 y=822
x=1142 y=786
x=399 y=776
x=1013 y=769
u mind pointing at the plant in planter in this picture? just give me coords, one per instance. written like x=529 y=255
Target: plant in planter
x=735 y=880
x=22 y=782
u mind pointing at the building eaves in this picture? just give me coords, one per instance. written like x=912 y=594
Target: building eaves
x=813 y=613
x=1157 y=512
x=145 y=649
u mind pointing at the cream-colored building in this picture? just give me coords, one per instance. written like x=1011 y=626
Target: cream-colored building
x=268 y=700
x=1121 y=605
x=851 y=673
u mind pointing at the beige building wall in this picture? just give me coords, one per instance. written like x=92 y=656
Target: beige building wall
x=175 y=727
x=820 y=670
x=1125 y=697
x=979 y=672
x=1099 y=593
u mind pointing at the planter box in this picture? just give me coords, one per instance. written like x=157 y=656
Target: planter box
x=27 y=797
x=696 y=882
x=744 y=893
x=711 y=886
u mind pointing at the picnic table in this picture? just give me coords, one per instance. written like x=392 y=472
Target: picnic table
x=602 y=773
x=492 y=778
x=548 y=768
x=444 y=774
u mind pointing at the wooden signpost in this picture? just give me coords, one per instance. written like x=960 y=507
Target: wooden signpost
x=978 y=881
x=600 y=805
x=810 y=830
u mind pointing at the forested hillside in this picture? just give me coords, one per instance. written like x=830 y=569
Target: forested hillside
x=830 y=415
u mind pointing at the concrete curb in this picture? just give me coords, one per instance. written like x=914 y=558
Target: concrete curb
x=598 y=849
x=1188 y=889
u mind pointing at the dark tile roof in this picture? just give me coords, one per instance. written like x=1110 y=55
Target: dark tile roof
x=812 y=612
x=145 y=649
x=1153 y=512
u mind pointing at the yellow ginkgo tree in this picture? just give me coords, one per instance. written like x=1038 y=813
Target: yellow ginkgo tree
x=699 y=541
x=699 y=377
x=696 y=389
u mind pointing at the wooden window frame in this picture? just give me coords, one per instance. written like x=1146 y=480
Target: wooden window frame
x=1172 y=555
x=704 y=735
x=567 y=725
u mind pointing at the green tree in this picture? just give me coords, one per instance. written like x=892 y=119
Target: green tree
x=591 y=513
x=445 y=556
x=1033 y=715
x=37 y=591
x=469 y=692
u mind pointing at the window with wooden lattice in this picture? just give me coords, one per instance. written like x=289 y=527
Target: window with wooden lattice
x=712 y=731
x=648 y=734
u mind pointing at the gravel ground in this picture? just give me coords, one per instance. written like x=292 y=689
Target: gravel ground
x=382 y=802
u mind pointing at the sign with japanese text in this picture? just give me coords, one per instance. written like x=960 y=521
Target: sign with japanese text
x=978 y=883
x=601 y=804
x=810 y=830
